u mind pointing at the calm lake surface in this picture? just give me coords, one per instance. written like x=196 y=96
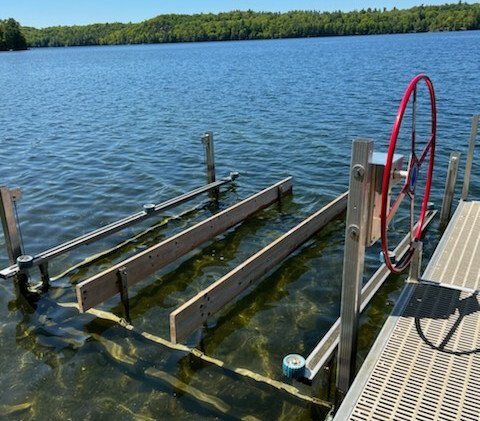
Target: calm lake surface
x=90 y=134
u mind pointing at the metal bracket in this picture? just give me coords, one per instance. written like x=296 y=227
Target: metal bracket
x=45 y=275
x=123 y=287
x=279 y=192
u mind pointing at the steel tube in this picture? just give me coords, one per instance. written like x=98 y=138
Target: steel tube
x=471 y=149
x=210 y=162
x=353 y=263
x=450 y=182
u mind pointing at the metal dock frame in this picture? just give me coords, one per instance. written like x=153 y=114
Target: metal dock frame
x=424 y=363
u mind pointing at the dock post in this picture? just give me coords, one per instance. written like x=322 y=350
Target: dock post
x=207 y=140
x=11 y=233
x=471 y=149
x=416 y=263
x=123 y=287
x=353 y=263
x=45 y=276
x=449 y=188
x=9 y=223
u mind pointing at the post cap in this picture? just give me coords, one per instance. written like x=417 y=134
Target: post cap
x=149 y=207
x=24 y=261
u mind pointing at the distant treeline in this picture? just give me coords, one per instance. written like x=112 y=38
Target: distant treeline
x=238 y=25
x=11 y=37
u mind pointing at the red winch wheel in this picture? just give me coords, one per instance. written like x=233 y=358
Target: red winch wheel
x=415 y=162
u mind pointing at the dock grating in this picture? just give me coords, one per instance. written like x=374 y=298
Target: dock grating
x=456 y=260
x=425 y=365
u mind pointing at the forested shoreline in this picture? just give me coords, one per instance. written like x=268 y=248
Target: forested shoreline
x=248 y=25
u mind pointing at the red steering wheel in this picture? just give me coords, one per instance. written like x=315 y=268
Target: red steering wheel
x=414 y=164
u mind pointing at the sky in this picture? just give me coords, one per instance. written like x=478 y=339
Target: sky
x=43 y=13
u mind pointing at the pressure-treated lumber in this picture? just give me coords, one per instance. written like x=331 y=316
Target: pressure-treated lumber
x=100 y=287
x=191 y=315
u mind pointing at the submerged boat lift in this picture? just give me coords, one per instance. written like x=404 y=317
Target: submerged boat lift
x=370 y=209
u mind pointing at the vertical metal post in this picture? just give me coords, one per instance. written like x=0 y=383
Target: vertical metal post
x=123 y=287
x=471 y=149
x=416 y=262
x=45 y=275
x=9 y=223
x=449 y=188
x=210 y=161
x=353 y=263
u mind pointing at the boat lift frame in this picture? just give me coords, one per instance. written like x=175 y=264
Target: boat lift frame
x=362 y=199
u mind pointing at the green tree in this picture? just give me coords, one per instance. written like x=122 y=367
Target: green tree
x=11 y=36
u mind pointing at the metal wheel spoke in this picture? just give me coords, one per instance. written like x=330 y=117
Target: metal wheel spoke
x=396 y=204
x=425 y=151
x=412 y=216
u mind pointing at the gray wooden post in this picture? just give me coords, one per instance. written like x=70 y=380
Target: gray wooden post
x=353 y=262
x=471 y=149
x=9 y=223
x=210 y=162
x=449 y=188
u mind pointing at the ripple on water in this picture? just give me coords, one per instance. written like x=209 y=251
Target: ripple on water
x=104 y=130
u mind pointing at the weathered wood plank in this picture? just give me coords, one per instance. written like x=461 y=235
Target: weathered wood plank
x=100 y=287
x=191 y=315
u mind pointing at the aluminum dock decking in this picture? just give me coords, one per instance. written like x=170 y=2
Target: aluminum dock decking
x=425 y=364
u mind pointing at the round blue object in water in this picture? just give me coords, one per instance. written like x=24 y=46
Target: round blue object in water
x=293 y=366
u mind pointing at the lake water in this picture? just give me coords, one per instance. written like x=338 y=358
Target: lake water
x=90 y=134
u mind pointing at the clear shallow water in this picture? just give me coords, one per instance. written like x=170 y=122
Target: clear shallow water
x=90 y=134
